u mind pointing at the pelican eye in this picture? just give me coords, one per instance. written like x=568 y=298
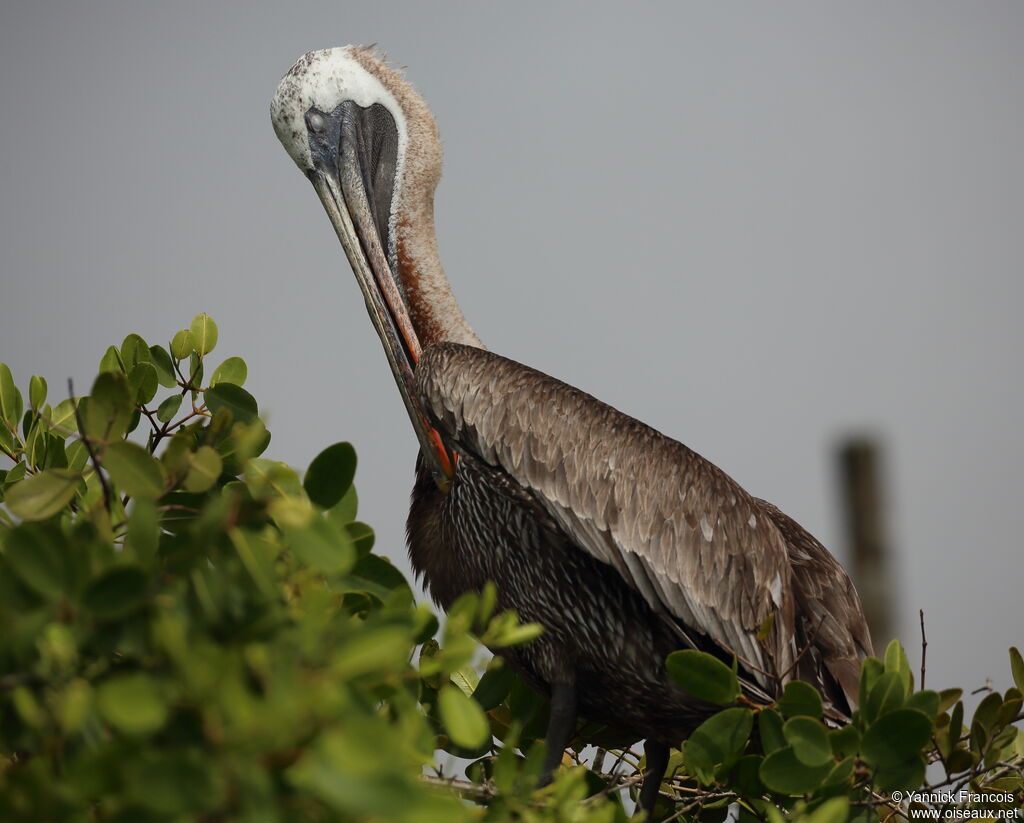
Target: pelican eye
x=315 y=122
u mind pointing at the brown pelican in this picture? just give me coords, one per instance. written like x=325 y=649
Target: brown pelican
x=622 y=542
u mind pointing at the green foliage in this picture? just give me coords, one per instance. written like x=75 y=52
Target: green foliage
x=330 y=474
x=190 y=630
x=805 y=765
x=704 y=676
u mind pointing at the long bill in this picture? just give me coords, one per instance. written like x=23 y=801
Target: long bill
x=344 y=198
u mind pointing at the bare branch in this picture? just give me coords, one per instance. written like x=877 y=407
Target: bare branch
x=924 y=646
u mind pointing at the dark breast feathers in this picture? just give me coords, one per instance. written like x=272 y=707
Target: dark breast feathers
x=622 y=542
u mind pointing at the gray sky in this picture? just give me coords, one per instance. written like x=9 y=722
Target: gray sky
x=755 y=227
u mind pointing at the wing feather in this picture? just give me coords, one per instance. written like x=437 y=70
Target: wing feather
x=677 y=528
x=830 y=616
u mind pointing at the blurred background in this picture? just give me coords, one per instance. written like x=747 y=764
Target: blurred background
x=763 y=230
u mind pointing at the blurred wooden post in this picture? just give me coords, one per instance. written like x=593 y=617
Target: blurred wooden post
x=864 y=511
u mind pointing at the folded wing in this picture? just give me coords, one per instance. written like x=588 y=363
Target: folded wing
x=700 y=549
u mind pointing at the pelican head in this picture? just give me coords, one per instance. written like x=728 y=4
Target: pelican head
x=369 y=145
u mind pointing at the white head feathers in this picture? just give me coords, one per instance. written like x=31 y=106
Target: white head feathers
x=325 y=79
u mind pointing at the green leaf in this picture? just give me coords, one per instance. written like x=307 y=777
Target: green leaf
x=7 y=439
x=248 y=440
x=886 y=695
x=361 y=535
x=463 y=718
x=377 y=575
x=108 y=409
x=195 y=371
x=834 y=810
x=896 y=737
x=204 y=469
x=745 y=776
x=426 y=624
x=986 y=712
x=257 y=555
x=466 y=679
x=37 y=560
x=132 y=703
x=330 y=474
x=116 y=593
x=143 y=530
x=56 y=455
x=168 y=408
x=143 y=381
x=896 y=661
x=16 y=474
x=271 y=478
x=346 y=509
x=809 y=740
x=321 y=545
x=1010 y=709
x=380 y=649
x=959 y=760
x=42 y=495
x=78 y=455
x=35 y=443
x=905 y=776
x=229 y=396
x=505 y=631
x=134 y=350
x=204 y=333
x=799 y=699
x=134 y=470
x=111 y=360
x=181 y=344
x=769 y=725
x=493 y=687
x=63 y=416
x=956 y=722
x=719 y=739
x=926 y=701
x=871 y=669
x=1017 y=667
x=36 y=392
x=703 y=676
x=782 y=772
x=842 y=772
x=164 y=367
x=948 y=698
x=845 y=742
x=232 y=370
x=10 y=399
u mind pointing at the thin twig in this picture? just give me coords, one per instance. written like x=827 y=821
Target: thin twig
x=2 y=449
x=709 y=797
x=615 y=783
x=481 y=792
x=924 y=647
x=88 y=445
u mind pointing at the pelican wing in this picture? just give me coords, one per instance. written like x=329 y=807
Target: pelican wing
x=830 y=618
x=698 y=547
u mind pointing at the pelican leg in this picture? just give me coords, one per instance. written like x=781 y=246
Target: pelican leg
x=657 y=763
x=561 y=727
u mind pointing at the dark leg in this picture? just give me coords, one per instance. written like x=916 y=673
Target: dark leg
x=561 y=727
x=657 y=762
